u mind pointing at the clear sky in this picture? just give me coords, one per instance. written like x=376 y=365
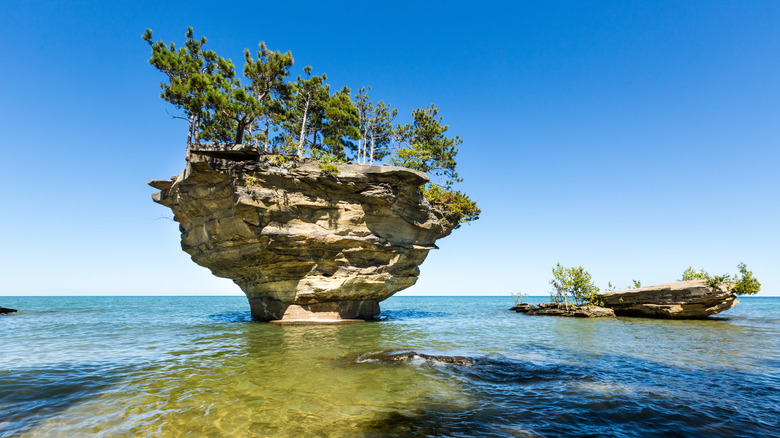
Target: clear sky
x=632 y=138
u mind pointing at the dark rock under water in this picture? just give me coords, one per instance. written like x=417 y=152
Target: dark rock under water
x=408 y=356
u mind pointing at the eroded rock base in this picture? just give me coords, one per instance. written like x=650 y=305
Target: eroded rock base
x=330 y=312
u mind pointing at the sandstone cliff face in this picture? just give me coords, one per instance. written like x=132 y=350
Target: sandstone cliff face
x=679 y=300
x=304 y=244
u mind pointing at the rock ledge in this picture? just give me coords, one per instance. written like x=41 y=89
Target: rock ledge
x=557 y=309
x=693 y=299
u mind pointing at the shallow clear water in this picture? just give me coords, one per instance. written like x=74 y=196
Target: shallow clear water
x=197 y=366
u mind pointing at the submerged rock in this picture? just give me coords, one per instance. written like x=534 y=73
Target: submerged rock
x=304 y=244
x=559 y=309
x=408 y=356
x=693 y=299
x=5 y=310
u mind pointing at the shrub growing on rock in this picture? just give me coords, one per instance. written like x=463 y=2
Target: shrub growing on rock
x=743 y=283
x=575 y=284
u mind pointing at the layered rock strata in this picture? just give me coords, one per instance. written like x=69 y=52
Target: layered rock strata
x=679 y=300
x=559 y=309
x=303 y=243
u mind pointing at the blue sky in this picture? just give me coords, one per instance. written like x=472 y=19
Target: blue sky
x=632 y=138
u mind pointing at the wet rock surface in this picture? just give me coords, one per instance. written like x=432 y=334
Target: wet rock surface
x=694 y=299
x=408 y=356
x=6 y=310
x=557 y=309
x=304 y=244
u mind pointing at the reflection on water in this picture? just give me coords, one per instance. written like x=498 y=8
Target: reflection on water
x=198 y=366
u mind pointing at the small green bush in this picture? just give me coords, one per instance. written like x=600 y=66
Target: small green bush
x=575 y=283
x=329 y=168
x=743 y=283
x=691 y=274
x=456 y=206
x=278 y=159
x=747 y=284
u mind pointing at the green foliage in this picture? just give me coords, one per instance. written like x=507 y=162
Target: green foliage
x=329 y=168
x=746 y=284
x=743 y=283
x=267 y=86
x=457 y=207
x=691 y=274
x=278 y=159
x=423 y=146
x=304 y=112
x=375 y=123
x=191 y=72
x=250 y=181
x=262 y=107
x=717 y=280
x=325 y=156
x=575 y=284
x=342 y=124
x=637 y=284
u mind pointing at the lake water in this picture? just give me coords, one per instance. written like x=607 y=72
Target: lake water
x=197 y=366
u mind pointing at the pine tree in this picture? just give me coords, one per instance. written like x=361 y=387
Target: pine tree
x=363 y=107
x=423 y=146
x=380 y=130
x=191 y=74
x=342 y=125
x=267 y=75
x=303 y=110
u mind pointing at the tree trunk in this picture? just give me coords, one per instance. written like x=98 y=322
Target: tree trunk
x=372 y=150
x=365 y=142
x=373 y=136
x=267 y=131
x=196 y=130
x=240 y=133
x=303 y=130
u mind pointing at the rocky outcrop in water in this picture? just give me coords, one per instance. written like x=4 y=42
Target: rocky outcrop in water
x=559 y=309
x=305 y=242
x=6 y=310
x=693 y=299
x=409 y=356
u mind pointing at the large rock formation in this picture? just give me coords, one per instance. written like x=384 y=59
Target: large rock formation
x=680 y=300
x=304 y=244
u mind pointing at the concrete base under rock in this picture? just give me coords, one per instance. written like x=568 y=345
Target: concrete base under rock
x=334 y=312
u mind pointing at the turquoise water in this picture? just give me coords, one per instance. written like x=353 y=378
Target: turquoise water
x=197 y=366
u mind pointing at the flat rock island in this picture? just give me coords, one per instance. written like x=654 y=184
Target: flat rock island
x=693 y=299
x=306 y=243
